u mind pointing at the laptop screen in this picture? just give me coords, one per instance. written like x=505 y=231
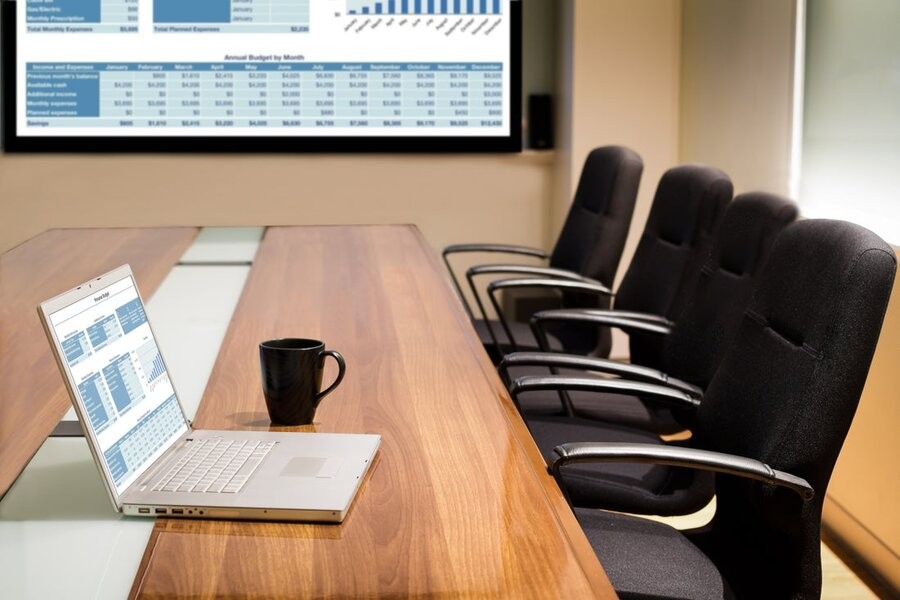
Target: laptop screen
x=120 y=378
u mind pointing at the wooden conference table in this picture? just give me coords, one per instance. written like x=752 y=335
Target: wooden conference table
x=458 y=502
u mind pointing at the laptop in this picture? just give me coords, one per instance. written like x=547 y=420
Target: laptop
x=151 y=459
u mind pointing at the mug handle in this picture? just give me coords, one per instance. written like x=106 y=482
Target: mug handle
x=341 y=368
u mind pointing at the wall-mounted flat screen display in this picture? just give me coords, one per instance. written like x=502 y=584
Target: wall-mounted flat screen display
x=269 y=75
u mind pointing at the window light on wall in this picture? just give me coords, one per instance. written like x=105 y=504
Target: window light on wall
x=847 y=113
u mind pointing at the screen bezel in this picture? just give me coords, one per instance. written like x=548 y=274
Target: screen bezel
x=12 y=142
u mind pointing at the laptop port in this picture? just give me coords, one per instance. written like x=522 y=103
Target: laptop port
x=144 y=511
x=160 y=511
x=177 y=511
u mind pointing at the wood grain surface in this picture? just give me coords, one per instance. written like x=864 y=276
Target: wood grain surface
x=32 y=394
x=458 y=502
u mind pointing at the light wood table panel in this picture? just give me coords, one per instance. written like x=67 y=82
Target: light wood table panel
x=458 y=502
x=32 y=395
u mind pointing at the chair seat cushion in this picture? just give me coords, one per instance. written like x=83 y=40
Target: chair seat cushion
x=590 y=484
x=521 y=332
x=629 y=487
x=615 y=409
x=645 y=559
x=624 y=410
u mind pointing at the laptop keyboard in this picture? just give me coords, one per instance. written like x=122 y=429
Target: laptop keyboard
x=214 y=465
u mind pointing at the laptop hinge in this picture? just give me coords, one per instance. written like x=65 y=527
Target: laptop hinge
x=67 y=429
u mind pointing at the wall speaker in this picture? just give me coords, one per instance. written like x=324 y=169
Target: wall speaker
x=540 y=121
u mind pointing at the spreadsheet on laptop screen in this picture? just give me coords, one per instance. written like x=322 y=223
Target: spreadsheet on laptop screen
x=120 y=378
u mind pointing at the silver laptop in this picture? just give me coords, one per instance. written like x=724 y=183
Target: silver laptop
x=151 y=459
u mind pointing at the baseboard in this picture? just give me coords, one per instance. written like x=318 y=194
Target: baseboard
x=871 y=553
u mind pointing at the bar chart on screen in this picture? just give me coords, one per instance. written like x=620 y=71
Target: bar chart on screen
x=423 y=7
x=151 y=361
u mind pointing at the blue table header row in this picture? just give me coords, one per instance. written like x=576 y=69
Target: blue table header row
x=257 y=66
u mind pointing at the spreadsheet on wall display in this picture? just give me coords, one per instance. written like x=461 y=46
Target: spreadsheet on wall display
x=272 y=69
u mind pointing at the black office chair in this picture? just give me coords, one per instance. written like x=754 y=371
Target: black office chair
x=774 y=417
x=698 y=340
x=588 y=249
x=687 y=207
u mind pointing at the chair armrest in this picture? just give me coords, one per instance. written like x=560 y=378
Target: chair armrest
x=552 y=360
x=511 y=269
x=508 y=269
x=559 y=360
x=583 y=285
x=504 y=248
x=495 y=269
x=677 y=457
x=646 y=391
x=566 y=285
x=634 y=316
x=494 y=248
x=608 y=318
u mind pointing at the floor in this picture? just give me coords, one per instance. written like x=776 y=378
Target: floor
x=838 y=581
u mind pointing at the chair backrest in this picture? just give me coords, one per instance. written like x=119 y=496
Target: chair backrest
x=785 y=394
x=687 y=207
x=593 y=236
x=713 y=310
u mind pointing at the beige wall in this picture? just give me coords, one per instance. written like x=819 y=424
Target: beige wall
x=451 y=198
x=737 y=90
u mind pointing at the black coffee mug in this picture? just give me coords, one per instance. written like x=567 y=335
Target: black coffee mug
x=291 y=371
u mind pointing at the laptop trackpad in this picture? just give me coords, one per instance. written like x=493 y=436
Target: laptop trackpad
x=309 y=466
